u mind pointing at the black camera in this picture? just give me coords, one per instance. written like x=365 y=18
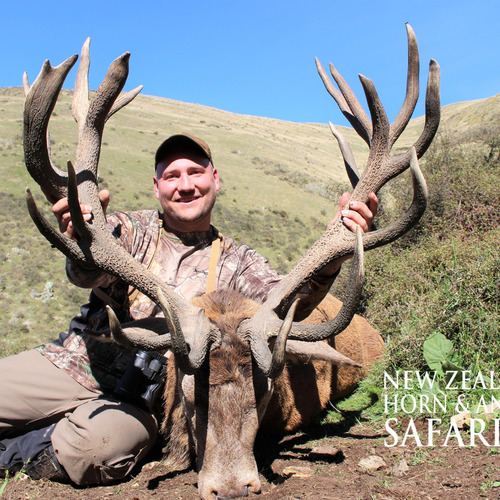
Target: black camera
x=142 y=383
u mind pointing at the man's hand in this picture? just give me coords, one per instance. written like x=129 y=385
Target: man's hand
x=61 y=210
x=358 y=214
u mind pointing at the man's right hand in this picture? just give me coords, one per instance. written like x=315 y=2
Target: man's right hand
x=63 y=216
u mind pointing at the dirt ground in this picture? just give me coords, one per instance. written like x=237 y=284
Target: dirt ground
x=325 y=464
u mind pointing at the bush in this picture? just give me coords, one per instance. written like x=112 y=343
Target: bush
x=441 y=286
x=444 y=275
x=464 y=189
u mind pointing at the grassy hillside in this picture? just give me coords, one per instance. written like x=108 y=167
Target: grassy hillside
x=281 y=182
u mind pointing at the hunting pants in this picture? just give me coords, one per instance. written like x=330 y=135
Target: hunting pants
x=96 y=439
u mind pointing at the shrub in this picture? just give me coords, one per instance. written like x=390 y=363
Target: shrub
x=444 y=275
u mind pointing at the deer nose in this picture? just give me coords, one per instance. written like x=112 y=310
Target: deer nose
x=236 y=491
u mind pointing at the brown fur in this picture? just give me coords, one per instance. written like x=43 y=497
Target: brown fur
x=304 y=390
x=359 y=341
x=226 y=309
x=178 y=446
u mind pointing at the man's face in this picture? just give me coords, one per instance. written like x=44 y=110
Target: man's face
x=186 y=185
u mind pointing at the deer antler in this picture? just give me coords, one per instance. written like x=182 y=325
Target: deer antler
x=96 y=247
x=337 y=241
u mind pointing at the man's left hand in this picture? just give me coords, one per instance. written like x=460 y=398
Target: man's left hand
x=358 y=214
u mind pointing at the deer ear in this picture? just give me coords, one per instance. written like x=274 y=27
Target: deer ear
x=298 y=351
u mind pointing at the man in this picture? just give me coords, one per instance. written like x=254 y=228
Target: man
x=83 y=411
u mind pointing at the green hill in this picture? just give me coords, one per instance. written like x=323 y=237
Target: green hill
x=280 y=186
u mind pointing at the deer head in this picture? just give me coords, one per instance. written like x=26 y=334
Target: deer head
x=263 y=334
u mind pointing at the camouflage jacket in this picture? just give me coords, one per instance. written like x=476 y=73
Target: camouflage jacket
x=181 y=262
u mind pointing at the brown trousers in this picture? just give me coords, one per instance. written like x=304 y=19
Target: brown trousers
x=97 y=439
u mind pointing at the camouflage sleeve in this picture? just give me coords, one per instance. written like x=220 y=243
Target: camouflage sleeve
x=256 y=278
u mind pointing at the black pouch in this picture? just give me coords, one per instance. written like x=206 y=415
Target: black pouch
x=143 y=381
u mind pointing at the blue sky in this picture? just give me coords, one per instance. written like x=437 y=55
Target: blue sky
x=257 y=57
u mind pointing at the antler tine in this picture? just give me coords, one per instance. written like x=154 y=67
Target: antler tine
x=374 y=175
x=359 y=119
x=89 y=144
x=432 y=99
x=77 y=219
x=81 y=101
x=432 y=110
x=123 y=100
x=412 y=88
x=188 y=360
x=26 y=84
x=332 y=90
x=320 y=350
x=80 y=104
x=346 y=101
x=349 y=161
x=279 y=350
x=40 y=102
x=69 y=247
x=137 y=334
x=341 y=321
